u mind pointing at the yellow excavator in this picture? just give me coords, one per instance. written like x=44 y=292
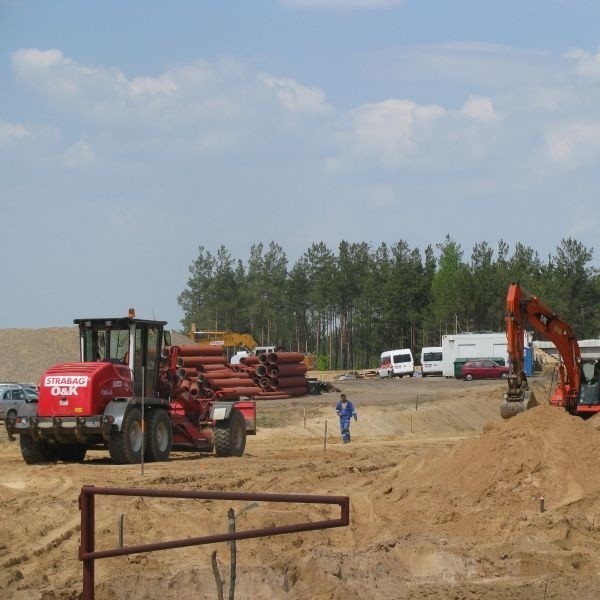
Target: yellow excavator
x=227 y=339
x=236 y=339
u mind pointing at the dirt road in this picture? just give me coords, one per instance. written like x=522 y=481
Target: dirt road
x=445 y=504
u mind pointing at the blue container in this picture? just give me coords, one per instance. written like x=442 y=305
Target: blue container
x=528 y=361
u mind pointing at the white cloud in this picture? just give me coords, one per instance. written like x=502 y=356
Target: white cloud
x=586 y=64
x=296 y=97
x=480 y=108
x=49 y=71
x=224 y=107
x=153 y=86
x=11 y=131
x=544 y=97
x=220 y=93
x=478 y=64
x=97 y=91
x=343 y=4
x=34 y=59
x=385 y=131
x=575 y=144
x=79 y=155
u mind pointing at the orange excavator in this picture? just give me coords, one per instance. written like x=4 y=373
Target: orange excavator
x=578 y=388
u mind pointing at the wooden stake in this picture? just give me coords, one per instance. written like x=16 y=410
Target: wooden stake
x=325 y=437
x=233 y=551
x=121 y=523
x=215 y=568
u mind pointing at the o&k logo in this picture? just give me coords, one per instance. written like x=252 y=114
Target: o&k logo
x=65 y=385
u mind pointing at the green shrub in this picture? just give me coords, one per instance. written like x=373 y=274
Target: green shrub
x=323 y=362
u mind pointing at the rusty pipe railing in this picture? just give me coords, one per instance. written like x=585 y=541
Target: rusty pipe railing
x=88 y=555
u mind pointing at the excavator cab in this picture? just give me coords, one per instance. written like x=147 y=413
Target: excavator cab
x=129 y=341
x=589 y=389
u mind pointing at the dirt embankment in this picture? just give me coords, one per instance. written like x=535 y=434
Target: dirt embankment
x=26 y=353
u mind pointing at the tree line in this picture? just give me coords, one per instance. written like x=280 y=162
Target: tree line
x=347 y=306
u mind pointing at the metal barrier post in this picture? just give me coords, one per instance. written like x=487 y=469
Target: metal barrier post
x=86 y=547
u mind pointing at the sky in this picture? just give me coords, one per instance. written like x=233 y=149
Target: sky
x=132 y=133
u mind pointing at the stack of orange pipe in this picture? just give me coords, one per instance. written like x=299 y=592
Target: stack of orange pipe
x=281 y=375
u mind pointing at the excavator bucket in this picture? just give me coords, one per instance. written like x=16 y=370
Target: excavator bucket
x=509 y=408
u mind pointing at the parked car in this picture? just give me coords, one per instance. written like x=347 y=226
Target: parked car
x=32 y=395
x=12 y=396
x=30 y=386
x=483 y=369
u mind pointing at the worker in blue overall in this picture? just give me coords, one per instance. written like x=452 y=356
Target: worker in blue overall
x=345 y=410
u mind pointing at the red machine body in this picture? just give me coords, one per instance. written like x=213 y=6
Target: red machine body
x=82 y=389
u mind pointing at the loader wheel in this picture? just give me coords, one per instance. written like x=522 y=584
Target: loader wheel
x=36 y=451
x=71 y=452
x=125 y=446
x=158 y=436
x=230 y=435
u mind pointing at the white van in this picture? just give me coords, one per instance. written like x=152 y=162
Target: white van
x=396 y=363
x=431 y=361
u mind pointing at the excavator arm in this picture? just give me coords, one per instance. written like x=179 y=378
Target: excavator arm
x=521 y=309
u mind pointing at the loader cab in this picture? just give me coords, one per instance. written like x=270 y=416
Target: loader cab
x=128 y=341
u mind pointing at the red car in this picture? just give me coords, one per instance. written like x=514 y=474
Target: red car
x=483 y=369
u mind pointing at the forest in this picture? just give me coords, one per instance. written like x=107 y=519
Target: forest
x=346 y=306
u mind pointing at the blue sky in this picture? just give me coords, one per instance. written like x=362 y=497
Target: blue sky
x=131 y=133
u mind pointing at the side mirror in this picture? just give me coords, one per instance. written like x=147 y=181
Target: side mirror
x=167 y=338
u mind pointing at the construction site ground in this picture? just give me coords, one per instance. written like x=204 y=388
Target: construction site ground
x=445 y=504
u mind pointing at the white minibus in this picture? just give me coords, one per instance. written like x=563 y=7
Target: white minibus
x=431 y=361
x=396 y=363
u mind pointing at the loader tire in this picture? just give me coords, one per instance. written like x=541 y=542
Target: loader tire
x=36 y=451
x=230 y=435
x=158 y=435
x=71 y=452
x=125 y=446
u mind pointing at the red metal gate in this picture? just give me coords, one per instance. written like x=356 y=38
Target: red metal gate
x=88 y=555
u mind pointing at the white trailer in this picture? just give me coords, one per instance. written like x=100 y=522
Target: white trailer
x=471 y=345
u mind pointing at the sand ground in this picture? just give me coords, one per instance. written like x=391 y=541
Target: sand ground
x=444 y=495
